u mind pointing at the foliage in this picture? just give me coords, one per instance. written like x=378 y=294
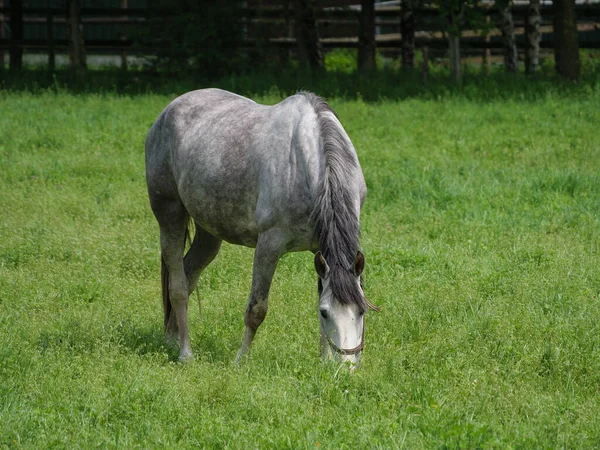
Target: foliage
x=345 y=60
x=481 y=231
x=341 y=60
x=202 y=37
x=455 y=14
x=590 y=61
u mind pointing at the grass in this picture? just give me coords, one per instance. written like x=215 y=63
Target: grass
x=482 y=237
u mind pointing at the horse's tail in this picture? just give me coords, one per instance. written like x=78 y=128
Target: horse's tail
x=164 y=279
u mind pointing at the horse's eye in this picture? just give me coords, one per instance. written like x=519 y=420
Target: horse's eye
x=324 y=313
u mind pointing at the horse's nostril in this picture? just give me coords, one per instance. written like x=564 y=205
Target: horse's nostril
x=324 y=313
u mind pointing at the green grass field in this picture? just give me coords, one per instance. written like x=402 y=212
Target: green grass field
x=482 y=236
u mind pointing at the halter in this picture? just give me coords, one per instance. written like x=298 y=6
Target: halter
x=348 y=351
x=359 y=347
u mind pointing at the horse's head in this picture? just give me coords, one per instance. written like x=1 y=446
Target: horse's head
x=342 y=319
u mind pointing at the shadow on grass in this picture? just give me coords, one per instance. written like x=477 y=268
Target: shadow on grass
x=378 y=85
x=75 y=337
x=146 y=341
x=139 y=340
x=129 y=338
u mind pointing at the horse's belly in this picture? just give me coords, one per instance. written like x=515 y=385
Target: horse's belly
x=234 y=235
x=231 y=218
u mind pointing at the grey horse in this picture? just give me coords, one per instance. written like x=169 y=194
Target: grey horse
x=279 y=179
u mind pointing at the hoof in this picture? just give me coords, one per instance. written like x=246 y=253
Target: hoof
x=238 y=358
x=186 y=357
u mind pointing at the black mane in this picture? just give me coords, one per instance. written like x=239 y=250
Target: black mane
x=336 y=223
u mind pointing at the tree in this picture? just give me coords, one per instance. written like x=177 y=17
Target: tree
x=454 y=12
x=507 y=26
x=566 y=45
x=366 y=38
x=16 y=35
x=204 y=38
x=407 y=34
x=75 y=37
x=310 y=51
x=533 y=22
x=454 y=54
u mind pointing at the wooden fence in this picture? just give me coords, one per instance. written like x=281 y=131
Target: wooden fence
x=113 y=30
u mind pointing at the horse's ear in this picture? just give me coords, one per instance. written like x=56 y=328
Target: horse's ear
x=359 y=263
x=321 y=265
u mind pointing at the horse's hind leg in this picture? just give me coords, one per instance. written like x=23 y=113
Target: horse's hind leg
x=202 y=252
x=173 y=220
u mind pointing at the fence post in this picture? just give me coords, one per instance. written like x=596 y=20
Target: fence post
x=50 y=37
x=310 y=50
x=16 y=35
x=407 y=33
x=566 y=44
x=75 y=39
x=366 y=37
x=1 y=36
x=123 y=38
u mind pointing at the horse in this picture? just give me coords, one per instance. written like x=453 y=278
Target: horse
x=281 y=178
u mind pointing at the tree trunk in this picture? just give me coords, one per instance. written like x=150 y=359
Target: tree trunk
x=486 y=60
x=454 y=26
x=366 y=39
x=511 y=56
x=566 y=45
x=425 y=66
x=75 y=36
x=455 y=68
x=310 y=51
x=16 y=35
x=407 y=32
x=533 y=21
x=289 y=31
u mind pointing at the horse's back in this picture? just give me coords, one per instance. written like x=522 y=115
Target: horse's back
x=237 y=166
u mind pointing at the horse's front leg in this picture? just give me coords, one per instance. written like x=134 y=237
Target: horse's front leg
x=269 y=249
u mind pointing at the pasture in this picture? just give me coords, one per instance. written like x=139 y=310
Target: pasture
x=481 y=232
